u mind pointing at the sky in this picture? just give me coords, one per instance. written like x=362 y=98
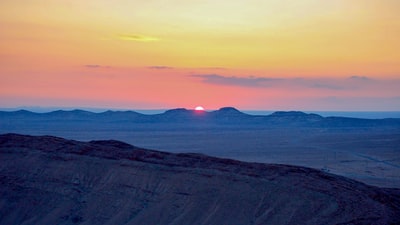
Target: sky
x=154 y=54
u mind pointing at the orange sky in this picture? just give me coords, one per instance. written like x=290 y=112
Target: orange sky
x=250 y=54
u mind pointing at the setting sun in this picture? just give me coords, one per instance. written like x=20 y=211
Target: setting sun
x=199 y=108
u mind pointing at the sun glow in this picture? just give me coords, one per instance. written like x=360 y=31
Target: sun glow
x=199 y=108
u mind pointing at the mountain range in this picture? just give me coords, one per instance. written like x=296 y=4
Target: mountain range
x=223 y=116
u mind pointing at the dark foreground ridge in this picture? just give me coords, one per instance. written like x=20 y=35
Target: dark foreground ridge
x=50 y=180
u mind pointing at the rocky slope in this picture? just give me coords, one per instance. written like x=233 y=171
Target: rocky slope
x=50 y=180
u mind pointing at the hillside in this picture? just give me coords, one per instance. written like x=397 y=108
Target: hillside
x=50 y=180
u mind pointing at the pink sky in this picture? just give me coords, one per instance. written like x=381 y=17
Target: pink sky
x=259 y=55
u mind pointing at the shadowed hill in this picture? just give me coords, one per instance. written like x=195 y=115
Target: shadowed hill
x=50 y=180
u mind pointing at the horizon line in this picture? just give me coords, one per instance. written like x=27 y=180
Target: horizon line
x=364 y=114
x=99 y=109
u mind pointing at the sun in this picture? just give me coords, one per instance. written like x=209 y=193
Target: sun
x=199 y=108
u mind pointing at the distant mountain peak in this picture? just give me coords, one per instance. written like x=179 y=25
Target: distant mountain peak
x=22 y=111
x=177 y=110
x=228 y=109
x=294 y=114
x=295 y=117
x=289 y=113
x=229 y=114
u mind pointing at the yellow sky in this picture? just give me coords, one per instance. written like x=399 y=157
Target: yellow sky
x=266 y=38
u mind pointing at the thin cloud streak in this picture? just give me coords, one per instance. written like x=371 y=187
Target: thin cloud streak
x=250 y=81
x=138 y=38
x=212 y=68
x=160 y=67
x=95 y=66
x=92 y=66
x=363 y=78
x=334 y=84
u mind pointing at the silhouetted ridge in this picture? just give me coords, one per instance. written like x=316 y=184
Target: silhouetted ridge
x=177 y=111
x=110 y=149
x=230 y=116
x=22 y=111
x=229 y=111
x=19 y=113
x=296 y=117
x=122 y=116
x=288 y=113
x=113 y=143
x=121 y=113
x=75 y=112
x=182 y=117
x=297 y=114
x=50 y=180
x=178 y=115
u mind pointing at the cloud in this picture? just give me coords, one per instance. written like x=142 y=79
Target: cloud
x=261 y=82
x=249 y=81
x=160 y=67
x=92 y=66
x=139 y=38
x=316 y=83
x=356 y=84
x=364 y=78
x=95 y=66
